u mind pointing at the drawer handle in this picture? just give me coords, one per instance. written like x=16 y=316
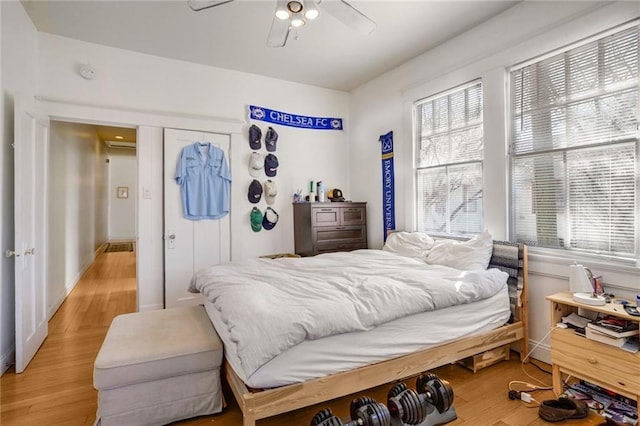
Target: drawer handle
x=339 y=228
x=326 y=210
x=592 y=360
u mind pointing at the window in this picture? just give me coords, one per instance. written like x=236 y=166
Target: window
x=574 y=148
x=449 y=161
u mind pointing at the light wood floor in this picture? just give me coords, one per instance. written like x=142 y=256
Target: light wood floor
x=57 y=386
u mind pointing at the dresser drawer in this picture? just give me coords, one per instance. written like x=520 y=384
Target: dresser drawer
x=353 y=216
x=333 y=247
x=325 y=216
x=342 y=234
x=601 y=362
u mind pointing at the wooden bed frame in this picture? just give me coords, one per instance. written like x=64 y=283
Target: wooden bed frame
x=261 y=404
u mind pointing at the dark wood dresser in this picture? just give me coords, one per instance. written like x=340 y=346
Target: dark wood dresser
x=329 y=227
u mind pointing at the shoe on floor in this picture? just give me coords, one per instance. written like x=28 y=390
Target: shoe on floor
x=556 y=410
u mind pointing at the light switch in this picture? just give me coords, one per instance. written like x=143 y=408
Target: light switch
x=146 y=193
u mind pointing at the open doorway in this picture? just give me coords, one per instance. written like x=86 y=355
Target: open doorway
x=92 y=190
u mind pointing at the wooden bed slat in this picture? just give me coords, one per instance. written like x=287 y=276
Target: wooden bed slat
x=275 y=401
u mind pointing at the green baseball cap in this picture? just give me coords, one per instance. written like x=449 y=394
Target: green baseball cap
x=256 y=219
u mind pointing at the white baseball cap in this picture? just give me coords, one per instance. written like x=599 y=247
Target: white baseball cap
x=270 y=192
x=256 y=164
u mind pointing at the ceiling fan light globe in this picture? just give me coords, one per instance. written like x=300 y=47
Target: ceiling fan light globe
x=282 y=10
x=311 y=14
x=297 y=21
x=311 y=9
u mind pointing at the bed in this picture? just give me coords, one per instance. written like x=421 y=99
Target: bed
x=267 y=381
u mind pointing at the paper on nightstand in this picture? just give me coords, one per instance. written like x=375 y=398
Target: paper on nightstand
x=576 y=320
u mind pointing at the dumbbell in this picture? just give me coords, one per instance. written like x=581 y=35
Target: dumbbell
x=409 y=407
x=439 y=393
x=364 y=411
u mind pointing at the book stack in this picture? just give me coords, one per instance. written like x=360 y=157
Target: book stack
x=614 y=331
x=621 y=410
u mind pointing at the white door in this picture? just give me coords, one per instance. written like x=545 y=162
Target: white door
x=189 y=245
x=31 y=147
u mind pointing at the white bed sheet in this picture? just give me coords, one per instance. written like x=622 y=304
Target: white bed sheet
x=316 y=358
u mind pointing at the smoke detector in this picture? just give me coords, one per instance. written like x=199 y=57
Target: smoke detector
x=87 y=72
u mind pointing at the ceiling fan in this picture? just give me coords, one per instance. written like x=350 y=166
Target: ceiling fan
x=295 y=13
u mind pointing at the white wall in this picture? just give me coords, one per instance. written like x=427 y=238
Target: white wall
x=153 y=92
x=123 y=172
x=487 y=51
x=101 y=196
x=19 y=66
x=75 y=180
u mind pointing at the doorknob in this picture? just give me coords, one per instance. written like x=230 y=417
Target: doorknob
x=171 y=243
x=11 y=253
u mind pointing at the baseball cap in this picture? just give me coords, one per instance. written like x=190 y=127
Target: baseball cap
x=255 y=191
x=270 y=191
x=336 y=195
x=256 y=219
x=254 y=137
x=256 y=163
x=270 y=139
x=271 y=165
x=270 y=219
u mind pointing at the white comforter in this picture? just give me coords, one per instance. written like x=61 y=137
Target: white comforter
x=272 y=305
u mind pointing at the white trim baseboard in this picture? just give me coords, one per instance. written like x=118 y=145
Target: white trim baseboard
x=150 y=308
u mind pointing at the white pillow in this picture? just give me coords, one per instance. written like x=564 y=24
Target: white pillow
x=409 y=244
x=472 y=255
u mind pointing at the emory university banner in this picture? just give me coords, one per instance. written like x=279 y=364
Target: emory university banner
x=388 y=191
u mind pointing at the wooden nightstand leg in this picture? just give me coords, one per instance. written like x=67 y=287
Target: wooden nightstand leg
x=557 y=379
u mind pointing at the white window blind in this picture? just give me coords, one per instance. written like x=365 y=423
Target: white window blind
x=449 y=162
x=574 y=151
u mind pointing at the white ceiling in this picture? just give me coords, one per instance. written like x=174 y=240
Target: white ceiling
x=323 y=53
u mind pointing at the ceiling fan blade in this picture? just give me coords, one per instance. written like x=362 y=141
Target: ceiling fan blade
x=279 y=32
x=199 y=5
x=348 y=15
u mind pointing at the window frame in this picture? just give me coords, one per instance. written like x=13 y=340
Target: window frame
x=417 y=139
x=567 y=252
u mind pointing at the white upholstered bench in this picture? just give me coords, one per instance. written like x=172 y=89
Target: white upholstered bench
x=157 y=367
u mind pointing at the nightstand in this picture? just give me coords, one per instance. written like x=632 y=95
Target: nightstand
x=599 y=363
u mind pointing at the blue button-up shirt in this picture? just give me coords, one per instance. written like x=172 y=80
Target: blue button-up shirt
x=204 y=178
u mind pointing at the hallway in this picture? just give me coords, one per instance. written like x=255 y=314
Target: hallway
x=57 y=386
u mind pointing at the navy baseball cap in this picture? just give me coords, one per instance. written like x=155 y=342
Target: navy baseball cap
x=270 y=139
x=271 y=165
x=270 y=219
x=255 y=191
x=254 y=137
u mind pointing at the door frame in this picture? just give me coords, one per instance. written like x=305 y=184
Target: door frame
x=149 y=203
